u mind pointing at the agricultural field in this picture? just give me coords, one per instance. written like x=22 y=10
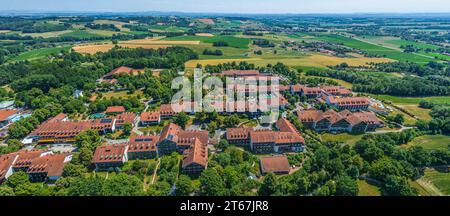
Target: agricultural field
x=40 y=53
x=232 y=41
x=413 y=100
x=314 y=60
x=48 y=34
x=81 y=34
x=373 y=48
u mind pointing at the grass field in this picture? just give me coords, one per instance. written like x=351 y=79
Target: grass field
x=48 y=34
x=232 y=41
x=346 y=138
x=413 y=100
x=373 y=49
x=81 y=34
x=417 y=111
x=440 y=180
x=366 y=189
x=39 y=53
x=121 y=94
x=430 y=142
x=340 y=82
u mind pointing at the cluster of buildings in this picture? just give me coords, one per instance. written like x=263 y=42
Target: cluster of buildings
x=285 y=138
x=192 y=144
x=9 y=115
x=343 y=121
x=40 y=165
x=62 y=130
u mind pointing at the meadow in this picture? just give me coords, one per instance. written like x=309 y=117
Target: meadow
x=232 y=41
x=430 y=142
x=40 y=53
x=440 y=180
x=373 y=49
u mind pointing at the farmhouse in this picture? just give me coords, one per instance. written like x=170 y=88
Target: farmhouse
x=274 y=164
x=111 y=156
x=195 y=158
x=150 y=118
x=142 y=147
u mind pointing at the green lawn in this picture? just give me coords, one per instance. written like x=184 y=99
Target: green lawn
x=39 y=53
x=373 y=49
x=430 y=142
x=440 y=180
x=349 y=139
x=413 y=100
x=366 y=189
x=232 y=41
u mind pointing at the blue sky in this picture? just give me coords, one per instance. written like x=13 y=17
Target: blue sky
x=231 y=6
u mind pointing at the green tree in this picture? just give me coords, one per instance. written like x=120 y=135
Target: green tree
x=398 y=186
x=122 y=185
x=127 y=128
x=181 y=119
x=184 y=186
x=212 y=183
x=346 y=186
x=269 y=185
x=17 y=178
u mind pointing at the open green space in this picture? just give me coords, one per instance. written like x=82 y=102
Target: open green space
x=431 y=142
x=231 y=40
x=39 y=53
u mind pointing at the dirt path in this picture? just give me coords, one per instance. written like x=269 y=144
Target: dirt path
x=156 y=170
x=428 y=186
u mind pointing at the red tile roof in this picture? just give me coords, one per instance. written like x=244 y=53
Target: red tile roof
x=166 y=110
x=336 y=90
x=143 y=143
x=238 y=133
x=115 y=109
x=176 y=134
x=52 y=165
x=285 y=126
x=123 y=70
x=275 y=164
x=6 y=162
x=25 y=157
x=110 y=153
x=240 y=73
x=349 y=101
x=5 y=114
x=198 y=153
x=124 y=118
x=150 y=116
x=310 y=115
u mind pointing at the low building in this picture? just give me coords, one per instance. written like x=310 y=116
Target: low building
x=122 y=70
x=275 y=164
x=142 y=147
x=150 y=118
x=114 y=110
x=195 y=158
x=6 y=166
x=111 y=156
x=336 y=91
x=166 y=111
x=311 y=92
x=348 y=103
x=174 y=139
x=344 y=121
x=6 y=105
x=7 y=116
x=124 y=118
x=240 y=73
x=60 y=130
x=48 y=168
x=238 y=136
x=25 y=157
